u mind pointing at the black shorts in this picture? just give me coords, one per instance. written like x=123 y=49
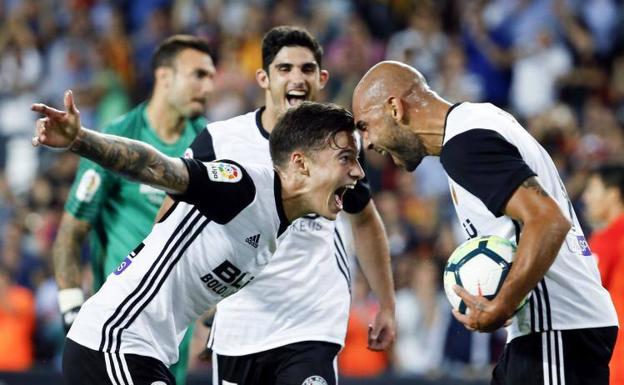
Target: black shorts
x=84 y=366
x=302 y=363
x=558 y=357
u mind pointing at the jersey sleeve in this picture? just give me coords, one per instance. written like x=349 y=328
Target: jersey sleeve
x=89 y=191
x=485 y=164
x=202 y=147
x=220 y=189
x=355 y=200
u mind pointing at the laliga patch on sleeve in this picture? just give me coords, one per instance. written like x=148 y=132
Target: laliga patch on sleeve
x=89 y=184
x=224 y=172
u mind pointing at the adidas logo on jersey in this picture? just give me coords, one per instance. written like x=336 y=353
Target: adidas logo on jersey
x=253 y=240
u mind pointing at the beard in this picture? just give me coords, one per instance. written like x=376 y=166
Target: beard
x=407 y=149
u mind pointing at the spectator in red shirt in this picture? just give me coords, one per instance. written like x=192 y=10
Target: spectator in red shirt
x=604 y=200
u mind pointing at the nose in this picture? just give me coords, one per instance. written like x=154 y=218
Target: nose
x=357 y=171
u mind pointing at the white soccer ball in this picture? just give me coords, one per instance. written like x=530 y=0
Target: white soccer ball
x=479 y=265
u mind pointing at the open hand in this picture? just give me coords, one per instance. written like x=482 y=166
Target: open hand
x=382 y=332
x=481 y=315
x=58 y=128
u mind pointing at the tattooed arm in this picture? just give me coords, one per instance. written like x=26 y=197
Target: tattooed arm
x=134 y=160
x=66 y=251
x=544 y=228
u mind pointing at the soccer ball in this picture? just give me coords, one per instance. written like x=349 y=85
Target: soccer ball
x=479 y=265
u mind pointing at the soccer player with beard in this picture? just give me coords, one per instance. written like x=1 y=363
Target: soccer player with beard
x=502 y=183
x=288 y=327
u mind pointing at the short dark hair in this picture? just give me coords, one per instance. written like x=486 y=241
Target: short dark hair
x=611 y=175
x=288 y=36
x=309 y=127
x=168 y=49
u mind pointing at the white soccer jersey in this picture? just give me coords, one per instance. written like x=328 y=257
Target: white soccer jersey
x=212 y=242
x=487 y=154
x=304 y=293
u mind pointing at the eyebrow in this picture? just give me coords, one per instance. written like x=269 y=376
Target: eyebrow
x=287 y=64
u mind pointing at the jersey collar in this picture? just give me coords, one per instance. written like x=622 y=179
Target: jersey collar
x=447 y=116
x=277 y=190
x=261 y=128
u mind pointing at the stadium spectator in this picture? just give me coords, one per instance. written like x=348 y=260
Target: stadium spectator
x=604 y=203
x=17 y=324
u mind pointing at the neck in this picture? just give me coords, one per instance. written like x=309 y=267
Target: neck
x=614 y=213
x=165 y=120
x=433 y=116
x=294 y=197
x=269 y=115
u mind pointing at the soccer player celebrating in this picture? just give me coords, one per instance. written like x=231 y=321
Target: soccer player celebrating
x=213 y=241
x=265 y=335
x=121 y=212
x=502 y=183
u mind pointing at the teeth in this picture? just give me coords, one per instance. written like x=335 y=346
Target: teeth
x=296 y=93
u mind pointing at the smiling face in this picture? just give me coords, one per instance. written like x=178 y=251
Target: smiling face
x=382 y=134
x=294 y=76
x=332 y=171
x=190 y=82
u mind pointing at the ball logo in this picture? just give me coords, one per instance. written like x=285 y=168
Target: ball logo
x=314 y=380
x=224 y=172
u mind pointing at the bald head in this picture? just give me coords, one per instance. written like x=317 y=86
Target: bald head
x=389 y=78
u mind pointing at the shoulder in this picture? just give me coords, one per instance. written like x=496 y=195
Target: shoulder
x=463 y=117
x=233 y=125
x=127 y=125
x=221 y=189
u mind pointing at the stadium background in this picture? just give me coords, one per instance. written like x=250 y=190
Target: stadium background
x=558 y=65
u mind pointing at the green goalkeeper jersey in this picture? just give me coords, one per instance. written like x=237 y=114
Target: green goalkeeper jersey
x=121 y=212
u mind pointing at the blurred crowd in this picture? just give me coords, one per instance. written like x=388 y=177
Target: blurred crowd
x=557 y=65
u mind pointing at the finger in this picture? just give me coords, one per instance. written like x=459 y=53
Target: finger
x=464 y=294
x=35 y=141
x=48 y=111
x=70 y=106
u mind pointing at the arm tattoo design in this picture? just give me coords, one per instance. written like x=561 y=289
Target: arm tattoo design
x=533 y=184
x=133 y=159
x=66 y=253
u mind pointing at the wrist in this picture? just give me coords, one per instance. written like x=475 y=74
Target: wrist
x=70 y=298
x=76 y=144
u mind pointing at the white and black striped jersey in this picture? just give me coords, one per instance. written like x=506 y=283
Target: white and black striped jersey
x=211 y=243
x=304 y=293
x=487 y=154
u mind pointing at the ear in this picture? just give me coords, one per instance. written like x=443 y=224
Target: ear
x=323 y=78
x=262 y=77
x=300 y=163
x=396 y=108
x=163 y=76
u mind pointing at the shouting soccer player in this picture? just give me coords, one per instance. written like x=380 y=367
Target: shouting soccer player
x=502 y=183
x=118 y=213
x=213 y=241
x=264 y=335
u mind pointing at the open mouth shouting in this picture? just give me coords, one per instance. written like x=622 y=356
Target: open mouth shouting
x=339 y=193
x=296 y=97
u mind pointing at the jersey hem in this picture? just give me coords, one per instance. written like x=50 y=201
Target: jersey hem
x=567 y=327
x=276 y=344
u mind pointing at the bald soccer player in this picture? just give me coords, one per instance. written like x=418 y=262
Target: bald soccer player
x=502 y=183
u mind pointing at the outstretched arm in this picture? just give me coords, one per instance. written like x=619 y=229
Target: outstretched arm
x=132 y=159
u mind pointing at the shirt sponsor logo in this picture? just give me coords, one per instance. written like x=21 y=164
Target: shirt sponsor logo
x=226 y=279
x=314 y=380
x=224 y=172
x=88 y=186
